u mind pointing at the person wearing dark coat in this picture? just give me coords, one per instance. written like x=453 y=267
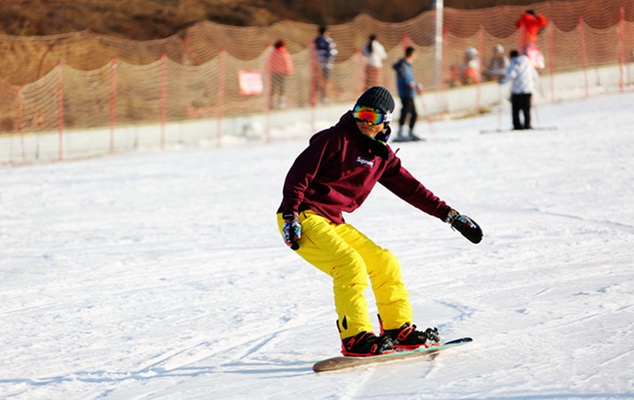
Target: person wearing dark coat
x=335 y=174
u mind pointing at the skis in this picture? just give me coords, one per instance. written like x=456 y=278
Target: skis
x=341 y=362
x=539 y=128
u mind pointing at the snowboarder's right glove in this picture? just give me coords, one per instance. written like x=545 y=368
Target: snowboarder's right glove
x=465 y=225
x=292 y=230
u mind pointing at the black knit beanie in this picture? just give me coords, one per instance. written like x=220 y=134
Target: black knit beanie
x=377 y=97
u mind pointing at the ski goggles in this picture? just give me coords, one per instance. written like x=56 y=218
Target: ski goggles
x=370 y=115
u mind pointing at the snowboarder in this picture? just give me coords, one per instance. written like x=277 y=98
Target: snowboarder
x=335 y=174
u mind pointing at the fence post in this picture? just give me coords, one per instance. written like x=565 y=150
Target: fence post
x=313 y=84
x=405 y=41
x=267 y=78
x=480 y=66
x=521 y=39
x=360 y=75
x=221 y=95
x=20 y=97
x=622 y=50
x=551 y=60
x=60 y=109
x=584 y=58
x=113 y=101
x=163 y=84
x=438 y=9
x=443 y=65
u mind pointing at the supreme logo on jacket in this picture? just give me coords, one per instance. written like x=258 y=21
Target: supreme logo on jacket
x=365 y=162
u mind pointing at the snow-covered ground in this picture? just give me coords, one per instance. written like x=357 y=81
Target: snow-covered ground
x=161 y=274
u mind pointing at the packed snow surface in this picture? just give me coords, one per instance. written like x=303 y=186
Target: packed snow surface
x=161 y=274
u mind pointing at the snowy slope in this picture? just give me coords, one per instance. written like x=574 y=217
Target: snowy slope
x=161 y=275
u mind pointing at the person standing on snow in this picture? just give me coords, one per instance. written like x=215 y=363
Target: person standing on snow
x=529 y=23
x=335 y=174
x=523 y=77
x=280 y=65
x=326 y=50
x=408 y=88
x=374 y=54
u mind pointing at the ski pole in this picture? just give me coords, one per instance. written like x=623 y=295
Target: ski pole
x=426 y=111
x=534 y=107
x=499 y=107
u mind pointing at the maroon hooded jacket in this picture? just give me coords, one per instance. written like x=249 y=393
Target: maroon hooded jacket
x=338 y=170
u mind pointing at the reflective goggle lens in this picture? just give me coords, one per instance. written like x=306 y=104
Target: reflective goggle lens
x=370 y=115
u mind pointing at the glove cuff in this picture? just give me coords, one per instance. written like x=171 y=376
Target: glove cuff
x=453 y=214
x=290 y=215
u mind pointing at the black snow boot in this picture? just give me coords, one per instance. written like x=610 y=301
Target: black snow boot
x=408 y=338
x=366 y=344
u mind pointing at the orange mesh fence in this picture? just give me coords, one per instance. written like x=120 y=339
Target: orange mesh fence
x=83 y=81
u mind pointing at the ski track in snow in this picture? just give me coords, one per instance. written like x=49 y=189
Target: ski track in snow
x=161 y=275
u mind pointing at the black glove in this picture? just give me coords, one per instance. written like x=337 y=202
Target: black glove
x=465 y=225
x=292 y=230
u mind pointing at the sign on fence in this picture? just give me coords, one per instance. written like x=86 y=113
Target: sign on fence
x=250 y=82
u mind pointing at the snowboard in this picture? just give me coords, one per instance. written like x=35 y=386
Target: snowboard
x=341 y=362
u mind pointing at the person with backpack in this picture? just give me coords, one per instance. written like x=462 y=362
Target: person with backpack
x=325 y=50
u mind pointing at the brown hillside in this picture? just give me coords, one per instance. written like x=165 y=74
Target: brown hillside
x=153 y=19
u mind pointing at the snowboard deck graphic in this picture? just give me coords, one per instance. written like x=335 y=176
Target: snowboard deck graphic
x=341 y=362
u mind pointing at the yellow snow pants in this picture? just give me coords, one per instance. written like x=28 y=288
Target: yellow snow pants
x=350 y=257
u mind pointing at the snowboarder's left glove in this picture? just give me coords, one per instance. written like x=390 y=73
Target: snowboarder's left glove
x=292 y=230
x=465 y=225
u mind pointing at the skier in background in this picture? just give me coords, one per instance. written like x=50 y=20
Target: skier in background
x=524 y=80
x=326 y=50
x=335 y=174
x=408 y=88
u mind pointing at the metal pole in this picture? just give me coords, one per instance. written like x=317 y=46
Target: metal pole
x=438 y=7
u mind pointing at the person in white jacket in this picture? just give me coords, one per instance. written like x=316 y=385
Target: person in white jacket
x=523 y=77
x=374 y=54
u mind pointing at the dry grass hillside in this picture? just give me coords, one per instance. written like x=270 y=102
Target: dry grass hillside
x=153 y=19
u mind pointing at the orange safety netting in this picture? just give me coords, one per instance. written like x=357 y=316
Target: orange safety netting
x=84 y=80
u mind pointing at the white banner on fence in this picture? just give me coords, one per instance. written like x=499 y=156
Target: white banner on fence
x=250 y=82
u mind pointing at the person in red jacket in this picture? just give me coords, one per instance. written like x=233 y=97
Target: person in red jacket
x=529 y=24
x=335 y=174
x=280 y=65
